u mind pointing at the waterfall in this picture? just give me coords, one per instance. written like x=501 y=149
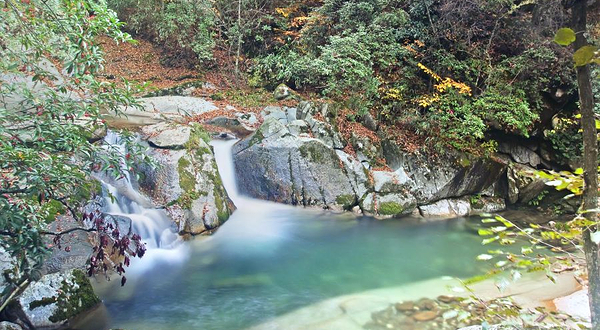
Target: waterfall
x=122 y=199
x=254 y=220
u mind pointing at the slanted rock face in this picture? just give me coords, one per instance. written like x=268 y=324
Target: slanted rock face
x=274 y=164
x=452 y=175
x=186 y=182
x=523 y=185
x=56 y=298
x=296 y=159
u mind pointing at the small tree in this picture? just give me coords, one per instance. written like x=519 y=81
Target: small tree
x=50 y=113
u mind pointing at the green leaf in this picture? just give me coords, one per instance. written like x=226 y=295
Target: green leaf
x=485 y=232
x=564 y=36
x=579 y=171
x=526 y=250
x=484 y=257
x=489 y=240
x=584 y=55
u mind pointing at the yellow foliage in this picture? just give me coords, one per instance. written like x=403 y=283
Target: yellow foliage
x=427 y=100
x=393 y=94
x=443 y=84
x=285 y=12
x=450 y=83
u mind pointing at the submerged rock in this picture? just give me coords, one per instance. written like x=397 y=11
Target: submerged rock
x=187 y=183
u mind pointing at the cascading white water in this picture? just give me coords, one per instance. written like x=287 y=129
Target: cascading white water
x=254 y=219
x=121 y=199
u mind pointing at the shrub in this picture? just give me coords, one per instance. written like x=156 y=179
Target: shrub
x=181 y=26
x=505 y=111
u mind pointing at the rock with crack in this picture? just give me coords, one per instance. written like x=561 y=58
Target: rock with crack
x=450 y=175
x=186 y=182
x=57 y=298
x=523 y=184
x=274 y=164
x=520 y=154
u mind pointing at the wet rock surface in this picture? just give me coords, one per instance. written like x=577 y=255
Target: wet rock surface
x=186 y=181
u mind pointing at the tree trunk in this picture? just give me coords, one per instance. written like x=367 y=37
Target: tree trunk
x=590 y=162
x=239 y=43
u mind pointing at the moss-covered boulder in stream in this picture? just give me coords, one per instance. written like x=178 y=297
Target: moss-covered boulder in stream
x=57 y=298
x=186 y=182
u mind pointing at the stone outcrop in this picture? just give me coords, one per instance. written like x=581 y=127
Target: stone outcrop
x=450 y=175
x=523 y=184
x=297 y=159
x=186 y=181
x=274 y=164
x=56 y=298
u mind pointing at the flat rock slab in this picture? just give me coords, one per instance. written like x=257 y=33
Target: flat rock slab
x=167 y=136
x=351 y=312
x=181 y=105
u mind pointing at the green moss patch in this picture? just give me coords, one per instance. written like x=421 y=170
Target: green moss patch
x=390 y=208
x=346 y=201
x=313 y=152
x=72 y=301
x=197 y=134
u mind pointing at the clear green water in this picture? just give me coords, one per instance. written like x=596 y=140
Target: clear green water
x=237 y=281
x=270 y=259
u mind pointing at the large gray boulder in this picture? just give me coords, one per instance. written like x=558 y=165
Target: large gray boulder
x=74 y=251
x=276 y=165
x=56 y=298
x=450 y=175
x=186 y=182
x=296 y=159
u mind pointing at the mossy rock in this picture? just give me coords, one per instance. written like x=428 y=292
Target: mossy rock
x=57 y=298
x=390 y=208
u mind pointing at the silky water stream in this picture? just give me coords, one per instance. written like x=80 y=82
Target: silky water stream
x=269 y=259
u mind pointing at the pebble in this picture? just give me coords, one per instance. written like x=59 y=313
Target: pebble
x=446 y=299
x=427 y=304
x=425 y=316
x=406 y=306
